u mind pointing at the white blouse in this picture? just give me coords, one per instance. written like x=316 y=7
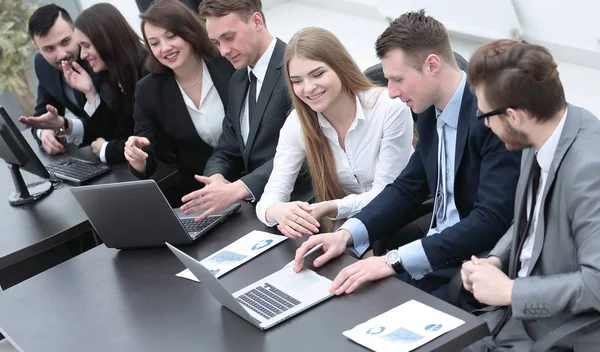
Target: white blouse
x=378 y=146
x=208 y=117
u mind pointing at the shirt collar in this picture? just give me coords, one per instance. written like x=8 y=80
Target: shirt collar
x=452 y=111
x=207 y=84
x=360 y=115
x=260 y=69
x=546 y=153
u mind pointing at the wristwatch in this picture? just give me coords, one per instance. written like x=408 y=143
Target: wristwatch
x=392 y=258
x=64 y=129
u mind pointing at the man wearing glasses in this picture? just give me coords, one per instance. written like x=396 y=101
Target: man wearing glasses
x=457 y=159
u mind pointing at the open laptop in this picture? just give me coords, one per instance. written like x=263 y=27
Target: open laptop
x=269 y=301
x=136 y=214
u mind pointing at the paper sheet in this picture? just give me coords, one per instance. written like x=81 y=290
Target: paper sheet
x=404 y=328
x=236 y=254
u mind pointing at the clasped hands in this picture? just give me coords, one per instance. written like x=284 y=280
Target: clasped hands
x=484 y=278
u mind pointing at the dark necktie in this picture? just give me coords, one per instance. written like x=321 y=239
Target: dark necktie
x=251 y=96
x=525 y=224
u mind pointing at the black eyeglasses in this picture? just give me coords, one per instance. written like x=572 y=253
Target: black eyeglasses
x=494 y=112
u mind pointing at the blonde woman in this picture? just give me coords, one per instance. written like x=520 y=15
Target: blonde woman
x=353 y=136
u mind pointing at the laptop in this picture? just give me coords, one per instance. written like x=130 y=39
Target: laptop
x=269 y=301
x=136 y=214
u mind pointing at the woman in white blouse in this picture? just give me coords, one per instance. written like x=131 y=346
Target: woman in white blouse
x=354 y=138
x=180 y=106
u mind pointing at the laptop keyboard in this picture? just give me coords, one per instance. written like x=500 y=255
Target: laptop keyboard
x=195 y=228
x=267 y=301
x=76 y=171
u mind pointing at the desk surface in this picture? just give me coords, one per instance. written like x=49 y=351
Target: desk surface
x=110 y=300
x=28 y=230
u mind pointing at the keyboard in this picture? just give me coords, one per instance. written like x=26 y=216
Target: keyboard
x=76 y=171
x=196 y=228
x=267 y=301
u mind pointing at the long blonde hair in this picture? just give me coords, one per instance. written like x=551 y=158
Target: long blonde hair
x=319 y=44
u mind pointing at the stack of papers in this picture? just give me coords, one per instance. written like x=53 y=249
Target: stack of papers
x=236 y=254
x=404 y=328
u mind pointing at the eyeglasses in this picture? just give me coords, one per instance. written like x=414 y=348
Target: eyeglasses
x=494 y=112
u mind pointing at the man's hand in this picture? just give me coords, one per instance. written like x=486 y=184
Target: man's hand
x=324 y=209
x=50 y=143
x=294 y=219
x=469 y=266
x=215 y=196
x=48 y=121
x=354 y=275
x=489 y=284
x=79 y=79
x=97 y=145
x=134 y=153
x=334 y=244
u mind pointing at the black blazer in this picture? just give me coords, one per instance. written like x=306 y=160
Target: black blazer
x=113 y=123
x=161 y=115
x=50 y=91
x=485 y=181
x=253 y=163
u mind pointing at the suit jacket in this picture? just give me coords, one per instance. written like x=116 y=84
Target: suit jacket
x=564 y=270
x=50 y=91
x=161 y=115
x=253 y=163
x=113 y=123
x=485 y=177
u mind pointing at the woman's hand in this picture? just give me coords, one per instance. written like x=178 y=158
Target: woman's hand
x=294 y=219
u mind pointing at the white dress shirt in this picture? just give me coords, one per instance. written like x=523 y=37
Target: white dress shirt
x=208 y=117
x=544 y=157
x=378 y=145
x=260 y=71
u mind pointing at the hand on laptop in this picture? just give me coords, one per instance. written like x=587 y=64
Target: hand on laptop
x=217 y=194
x=334 y=245
x=354 y=275
x=134 y=153
x=293 y=219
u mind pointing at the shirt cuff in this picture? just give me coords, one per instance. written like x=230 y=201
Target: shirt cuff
x=360 y=235
x=342 y=210
x=414 y=259
x=76 y=135
x=251 y=198
x=38 y=132
x=102 y=155
x=90 y=108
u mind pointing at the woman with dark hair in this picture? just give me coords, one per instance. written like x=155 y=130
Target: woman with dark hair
x=184 y=98
x=116 y=56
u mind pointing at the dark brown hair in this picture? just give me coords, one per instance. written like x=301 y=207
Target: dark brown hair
x=117 y=45
x=175 y=17
x=220 y=8
x=517 y=74
x=418 y=36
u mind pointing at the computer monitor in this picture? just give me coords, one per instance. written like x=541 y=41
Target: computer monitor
x=17 y=153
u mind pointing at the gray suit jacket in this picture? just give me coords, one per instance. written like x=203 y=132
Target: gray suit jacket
x=564 y=271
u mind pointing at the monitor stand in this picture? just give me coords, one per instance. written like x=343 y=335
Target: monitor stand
x=24 y=193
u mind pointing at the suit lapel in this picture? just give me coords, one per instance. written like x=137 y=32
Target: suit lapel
x=175 y=106
x=567 y=137
x=238 y=100
x=467 y=110
x=271 y=78
x=520 y=202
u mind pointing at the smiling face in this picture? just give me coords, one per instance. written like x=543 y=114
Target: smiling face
x=237 y=40
x=413 y=87
x=314 y=82
x=88 y=51
x=58 y=44
x=168 y=48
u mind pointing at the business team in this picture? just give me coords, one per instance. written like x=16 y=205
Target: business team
x=242 y=116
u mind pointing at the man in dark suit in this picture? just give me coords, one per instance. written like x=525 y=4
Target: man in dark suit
x=456 y=158
x=51 y=29
x=258 y=105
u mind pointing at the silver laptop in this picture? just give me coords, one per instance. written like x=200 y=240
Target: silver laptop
x=269 y=301
x=136 y=214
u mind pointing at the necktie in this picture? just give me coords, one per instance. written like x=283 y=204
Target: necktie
x=440 y=199
x=523 y=230
x=252 y=96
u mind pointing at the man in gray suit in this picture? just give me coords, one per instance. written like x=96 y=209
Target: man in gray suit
x=546 y=268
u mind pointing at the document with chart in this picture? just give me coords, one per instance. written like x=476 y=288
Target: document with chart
x=404 y=328
x=237 y=253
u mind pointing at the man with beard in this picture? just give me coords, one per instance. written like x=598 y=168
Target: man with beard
x=546 y=269
x=51 y=29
